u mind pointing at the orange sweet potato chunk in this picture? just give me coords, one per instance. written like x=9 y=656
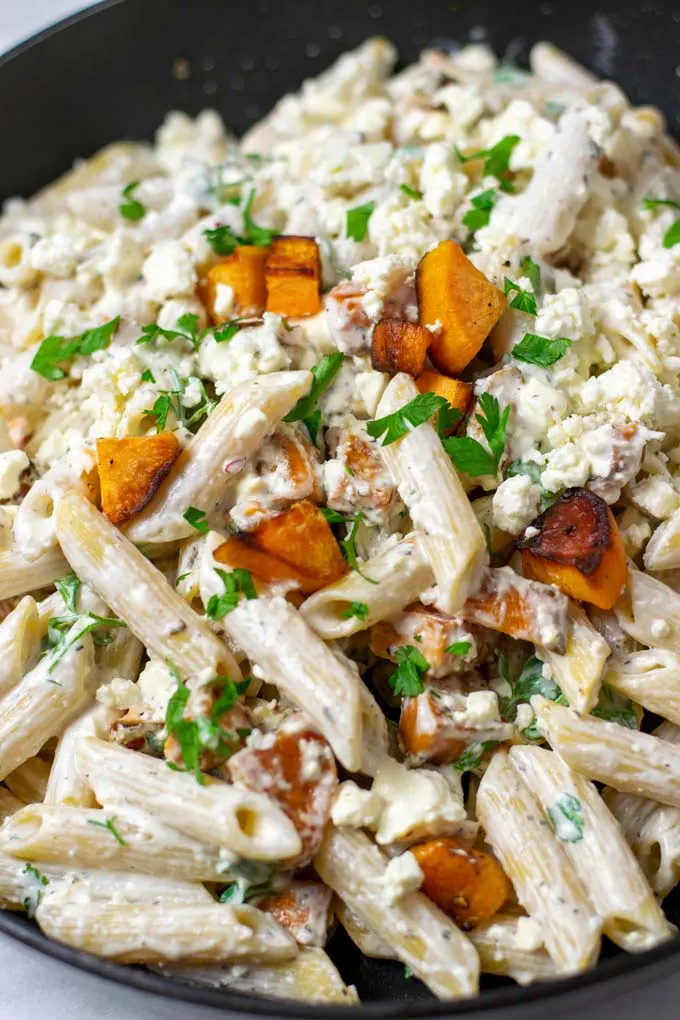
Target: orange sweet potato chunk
x=130 y=471
x=578 y=548
x=398 y=346
x=244 y=273
x=469 y=885
x=293 y=276
x=426 y=732
x=297 y=772
x=239 y=553
x=457 y=392
x=301 y=537
x=453 y=292
x=522 y=608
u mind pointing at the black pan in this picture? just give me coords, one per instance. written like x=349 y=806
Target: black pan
x=112 y=73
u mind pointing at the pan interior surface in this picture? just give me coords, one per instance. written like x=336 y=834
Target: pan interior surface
x=114 y=72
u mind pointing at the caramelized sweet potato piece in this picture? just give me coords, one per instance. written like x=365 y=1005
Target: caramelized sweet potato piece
x=457 y=392
x=519 y=607
x=293 y=276
x=579 y=548
x=453 y=292
x=297 y=772
x=301 y=537
x=425 y=730
x=469 y=885
x=239 y=553
x=303 y=909
x=399 y=346
x=244 y=273
x=130 y=471
x=365 y=484
x=429 y=631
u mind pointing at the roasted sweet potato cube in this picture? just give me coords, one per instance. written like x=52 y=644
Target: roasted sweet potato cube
x=293 y=274
x=239 y=553
x=453 y=292
x=426 y=732
x=244 y=273
x=297 y=772
x=520 y=607
x=130 y=471
x=302 y=538
x=469 y=885
x=578 y=547
x=399 y=346
x=303 y=909
x=457 y=392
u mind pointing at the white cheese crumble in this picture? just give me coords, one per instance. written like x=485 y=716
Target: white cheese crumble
x=402 y=875
x=516 y=503
x=355 y=807
x=13 y=463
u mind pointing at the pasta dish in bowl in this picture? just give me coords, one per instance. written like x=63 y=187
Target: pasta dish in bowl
x=340 y=533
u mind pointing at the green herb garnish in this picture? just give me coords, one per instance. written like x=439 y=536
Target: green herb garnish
x=566 y=816
x=358 y=609
x=480 y=214
x=357 y=221
x=411 y=192
x=110 y=827
x=306 y=411
x=197 y=519
x=468 y=454
x=614 y=707
x=238 y=582
x=471 y=758
x=416 y=412
x=523 y=300
x=55 y=349
x=187 y=329
x=131 y=208
x=406 y=680
x=496 y=160
x=460 y=648
x=540 y=350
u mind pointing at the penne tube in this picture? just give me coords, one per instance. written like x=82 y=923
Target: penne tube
x=8 y=803
x=506 y=950
x=579 y=670
x=34 y=525
x=310 y=977
x=401 y=573
x=19 y=643
x=663 y=549
x=80 y=838
x=246 y=823
x=19 y=576
x=649 y=611
x=597 y=849
x=545 y=882
x=420 y=934
x=44 y=702
x=29 y=781
x=650 y=677
x=628 y=760
x=374 y=733
x=450 y=536
x=139 y=594
x=121 y=659
x=134 y=933
x=363 y=936
x=205 y=469
x=65 y=785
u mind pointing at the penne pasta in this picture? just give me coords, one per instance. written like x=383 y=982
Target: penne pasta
x=65 y=785
x=8 y=804
x=18 y=576
x=662 y=552
x=506 y=950
x=578 y=671
x=544 y=880
x=651 y=678
x=649 y=611
x=19 y=643
x=204 y=470
x=422 y=937
x=29 y=781
x=449 y=534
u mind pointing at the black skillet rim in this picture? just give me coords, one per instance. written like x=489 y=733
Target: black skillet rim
x=18 y=928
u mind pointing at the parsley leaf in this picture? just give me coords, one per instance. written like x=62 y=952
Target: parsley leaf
x=32 y=900
x=197 y=519
x=357 y=221
x=406 y=680
x=358 y=609
x=459 y=648
x=540 y=350
x=532 y=271
x=187 y=329
x=110 y=827
x=566 y=816
x=131 y=208
x=496 y=160
x=227 y=330
x=653 y=203
x=614 y=707
x=68 y=587
x=172 y=400
x=408 y=973
x=411 y=192
x=471 y=758
x=672 y=235
x=262 y=237
x=324 y=372
x=236 y=583
x=148 y=376
x=255 y=879
x=532 y=471
x=480 y=214
x=223 y=240
x=55 y=349
x=468 y=454
x=531 y=681
x=349 y=548
x=416 y=412
x=63 y=632
x=523 y=300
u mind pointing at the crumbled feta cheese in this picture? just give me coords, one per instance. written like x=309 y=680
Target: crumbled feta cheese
x=12 y=465
x=656 y=496
x=119 y=693
x=402 y=875
x=54 y=256
x=516 y=502
x=528 y=936
x=418 y=803
x=659 y=628
x=481 y=708
x=355 y=807
x=253 y=351
x=169 y=271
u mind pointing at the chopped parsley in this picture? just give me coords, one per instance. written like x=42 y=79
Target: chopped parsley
x=254 y=879
x=672 y=235
x=349 y=548
x=110 y=827
x=540 y=350
x=416 y=412
x=532 y=471
x=523 y=300
x=306 y=411
x=358 y=609
x=509 y=73
x=480 y=214
x=68 y=587
x=614 y=707
x=496 y=160
x=357 y=221
x=227 y=330
x=411 y=192
x=531 y=681
x=62 y=633
x=408 y=973
x=148 y=376
x=197 y=519
x=532 y=271
x=566 y=817
x=55 y=349
x=131 y=208
x=238 y=582
x=31 y=901
x=187 y=329
x=224 y=241
x=172 y=400
x=471 y=758
x=468 y=454
x=261 y=237
x=406 y=680
x=460 y=648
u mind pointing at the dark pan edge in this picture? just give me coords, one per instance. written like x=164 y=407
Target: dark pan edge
x=57 y=26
